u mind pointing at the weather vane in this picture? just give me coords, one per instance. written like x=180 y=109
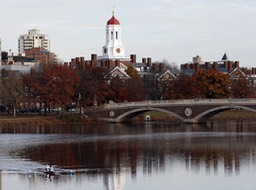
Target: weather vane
x=114 y=7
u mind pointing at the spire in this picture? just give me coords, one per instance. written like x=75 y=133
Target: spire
x=225 y=57
x=113 y=11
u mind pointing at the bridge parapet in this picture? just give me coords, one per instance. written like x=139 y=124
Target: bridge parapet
x=179 y=102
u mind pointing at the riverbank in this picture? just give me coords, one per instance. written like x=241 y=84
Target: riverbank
x=8 y=120
x=235 y=114
x=227 y=115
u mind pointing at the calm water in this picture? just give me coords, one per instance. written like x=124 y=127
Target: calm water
x=130 y=157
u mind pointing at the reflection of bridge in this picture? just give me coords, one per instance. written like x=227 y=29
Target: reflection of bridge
x=192 y=110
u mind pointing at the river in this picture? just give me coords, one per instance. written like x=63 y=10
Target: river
x=220 y=155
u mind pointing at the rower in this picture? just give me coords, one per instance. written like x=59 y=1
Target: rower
x=51 y=169
x=47 y=168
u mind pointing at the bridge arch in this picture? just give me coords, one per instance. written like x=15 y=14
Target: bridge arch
x=132 y=113
x=211 y=112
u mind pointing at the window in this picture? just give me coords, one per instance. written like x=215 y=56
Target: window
x=116 y=35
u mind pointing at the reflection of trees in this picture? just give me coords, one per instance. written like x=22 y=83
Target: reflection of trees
x=151 y=150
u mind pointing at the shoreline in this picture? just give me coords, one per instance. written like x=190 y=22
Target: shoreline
x=9 y=120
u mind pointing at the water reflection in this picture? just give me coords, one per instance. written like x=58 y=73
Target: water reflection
x=239 y=126
x=111 y=153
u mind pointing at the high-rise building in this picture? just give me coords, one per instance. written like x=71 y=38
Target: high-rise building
x=34 y=39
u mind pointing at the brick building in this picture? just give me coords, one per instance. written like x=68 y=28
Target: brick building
x=224 y=65
x=42 y=55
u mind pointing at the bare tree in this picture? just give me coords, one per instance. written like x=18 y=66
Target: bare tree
x=12 y=91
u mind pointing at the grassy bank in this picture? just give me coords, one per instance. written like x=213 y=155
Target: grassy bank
x=8 y=120
x=227 y=115
x=155 y=116
x=42 y=120
x=235 y=114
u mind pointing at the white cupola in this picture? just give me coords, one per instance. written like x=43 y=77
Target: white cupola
x=113 y=48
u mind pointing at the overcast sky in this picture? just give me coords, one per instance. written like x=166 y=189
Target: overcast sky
x=175 y=30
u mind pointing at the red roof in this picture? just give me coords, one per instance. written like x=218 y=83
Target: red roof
x=113 y=21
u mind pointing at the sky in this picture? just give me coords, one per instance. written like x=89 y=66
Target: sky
x=172 y=30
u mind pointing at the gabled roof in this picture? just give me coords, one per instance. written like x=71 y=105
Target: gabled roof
x=117 y=72
x=236 y=73
x=167 y=75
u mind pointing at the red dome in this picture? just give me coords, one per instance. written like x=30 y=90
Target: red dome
x=113 y=21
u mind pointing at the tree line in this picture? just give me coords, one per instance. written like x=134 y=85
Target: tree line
x=57 y=85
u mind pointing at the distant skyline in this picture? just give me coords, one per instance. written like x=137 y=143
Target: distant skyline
x=175 y=30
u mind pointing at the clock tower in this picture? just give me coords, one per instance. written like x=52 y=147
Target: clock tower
x=113 y=48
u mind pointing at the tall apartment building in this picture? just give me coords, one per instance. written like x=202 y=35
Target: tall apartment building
x=33 y=40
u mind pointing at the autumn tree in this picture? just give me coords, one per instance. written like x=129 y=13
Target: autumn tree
x=134 y=85
x=153 y=89
x=30 y=96
x=242 y=87
x=183 y=87
x=53 y=84
x=93 y=87
x=118 y=88
x=213 y=84
x=12 y=91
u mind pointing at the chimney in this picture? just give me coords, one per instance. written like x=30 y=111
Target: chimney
x=253 y=71
x=207 y=65
x=149 y=62
x=133 y=58
x=94 y=60
x=155 y=67
x=230 y=66
x=215 y=65
x=144 y=60
x=83 y=64
x=73 y=63
x=226 y=64
x=197 y=66
x=236 y=63
x=161 y=66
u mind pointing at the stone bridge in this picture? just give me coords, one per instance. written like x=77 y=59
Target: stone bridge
x=189 y=110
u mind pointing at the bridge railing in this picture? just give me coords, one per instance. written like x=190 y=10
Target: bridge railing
x=178 y=102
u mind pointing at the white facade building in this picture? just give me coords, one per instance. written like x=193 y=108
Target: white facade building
x=19 y=63
x=33 y=39
x=113 y=49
